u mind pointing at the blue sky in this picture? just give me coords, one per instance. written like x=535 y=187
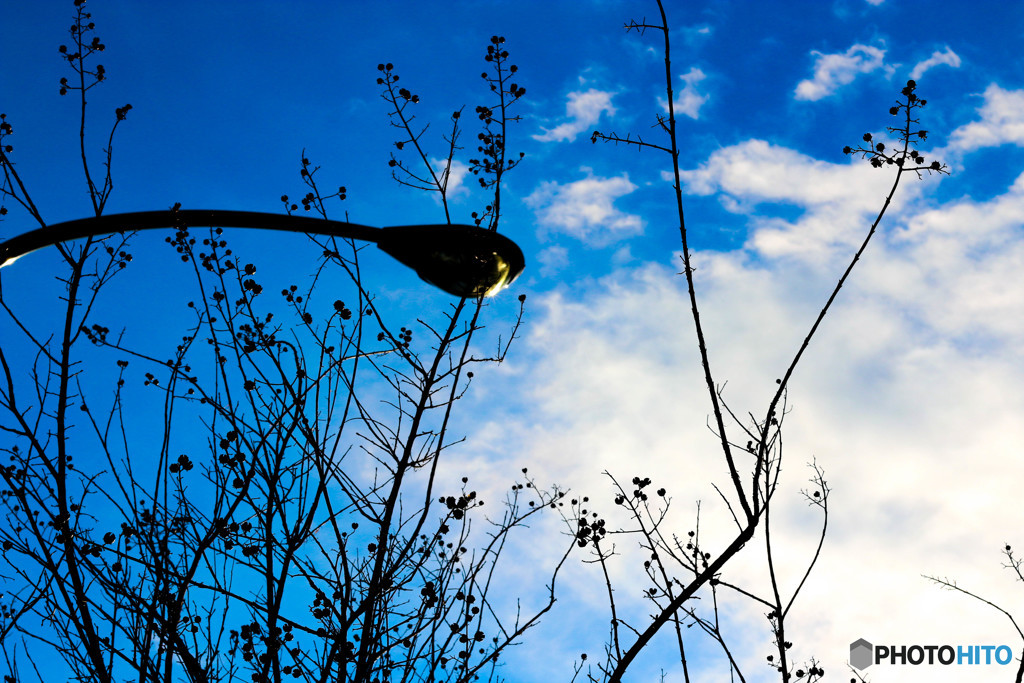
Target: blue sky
x=911 y=398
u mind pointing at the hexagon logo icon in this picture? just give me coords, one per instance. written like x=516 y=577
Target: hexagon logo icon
x=861 y=652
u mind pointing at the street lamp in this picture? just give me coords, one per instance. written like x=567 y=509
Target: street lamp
x=463 y=260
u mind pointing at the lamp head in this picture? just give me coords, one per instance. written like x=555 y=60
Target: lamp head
x=463 y=260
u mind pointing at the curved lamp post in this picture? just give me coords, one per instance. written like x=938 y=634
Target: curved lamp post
x=463 y=260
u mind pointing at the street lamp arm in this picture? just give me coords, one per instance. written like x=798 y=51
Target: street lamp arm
x=28 y=242
x=463 y=260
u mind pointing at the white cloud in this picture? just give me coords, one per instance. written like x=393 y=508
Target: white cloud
x=457 y=174
x=689 y=101
x=759 y=171
x=910 y=398
x=834 y=70
x=552 y=260
x=836 y=199
x=981 y=243
x=584 y=109
x=948 y=58
x=1002 y=122
x=585 y=209
x=623 y=255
